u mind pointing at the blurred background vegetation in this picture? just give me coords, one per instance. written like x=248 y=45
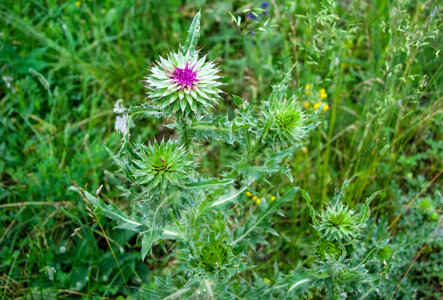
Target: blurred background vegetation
x=65 y=63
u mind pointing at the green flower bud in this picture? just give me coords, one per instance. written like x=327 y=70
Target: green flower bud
x=434 y=216
x=162 y=167
x=326 y=248
x=426 y=204
x=338 y=222
x=287 y=122
x=214 y=254
x=384 y=253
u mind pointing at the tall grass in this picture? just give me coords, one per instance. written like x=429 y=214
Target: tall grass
x=64 y=64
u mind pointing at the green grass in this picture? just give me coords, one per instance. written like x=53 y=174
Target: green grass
x=378 y=60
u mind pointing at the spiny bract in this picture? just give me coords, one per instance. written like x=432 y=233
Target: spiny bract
x=328 y=249
x=287 y=122
x=338 y=222
x=185 y=83
x=162 y=167
x=214 y=254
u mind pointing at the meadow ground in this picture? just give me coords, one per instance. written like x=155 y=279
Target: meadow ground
x=374 y=65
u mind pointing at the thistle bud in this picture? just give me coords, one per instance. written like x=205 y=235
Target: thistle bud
x=328 y=249
x=162 y=167
x=339 y=223
x=287 y=122
x=214 y=254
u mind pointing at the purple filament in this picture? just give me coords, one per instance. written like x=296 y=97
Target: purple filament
x=186 y=77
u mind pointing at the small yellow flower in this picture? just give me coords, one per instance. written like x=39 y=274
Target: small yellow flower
x=322 y=91
x=78 y=3
x=248 y=194
x=317 y=105
x=325 y=107
x=323 y=96
x=305 y=150
x=258 y=201
x=254 y=198
x=308 y=86
x=307 y=92
x=273 y=198
x=306 y=104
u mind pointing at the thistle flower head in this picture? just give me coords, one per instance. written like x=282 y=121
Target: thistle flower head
x=162 y=167
x=184 y=83
x=287 y=122
x=338 y=222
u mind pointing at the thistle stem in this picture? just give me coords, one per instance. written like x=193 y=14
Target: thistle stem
x=185 y=139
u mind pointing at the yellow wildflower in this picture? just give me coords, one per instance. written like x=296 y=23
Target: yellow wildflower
x=325 y=107
x=306 y=104
x=78 y=3
x=308 y=86
x=248 y=194
x=323 y=94
x=317 y=105
x=254 y=198
x=307 y=92
x=258 y=201
x=273 y=198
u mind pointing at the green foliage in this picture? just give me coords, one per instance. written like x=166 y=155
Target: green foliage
x=358 y=95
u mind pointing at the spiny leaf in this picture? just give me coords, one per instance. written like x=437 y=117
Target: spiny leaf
x=148 y=240
x=275 y=205
x=214 y=182
x=193 y=35
x=111 y=211
x=308 y=203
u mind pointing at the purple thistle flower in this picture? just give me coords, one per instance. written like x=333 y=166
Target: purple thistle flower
x=184 y=82
x=186 y=77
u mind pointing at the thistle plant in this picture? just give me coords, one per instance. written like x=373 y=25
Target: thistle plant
x=197 y=214
x=338 y=267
